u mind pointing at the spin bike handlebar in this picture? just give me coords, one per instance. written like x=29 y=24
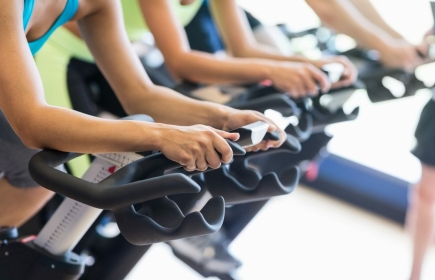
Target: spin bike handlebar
x=132 y=184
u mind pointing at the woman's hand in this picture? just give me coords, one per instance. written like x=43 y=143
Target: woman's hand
x=298 y=79
x=400 y=54
x=238 y=118
x=350 y=73
x=196 y=147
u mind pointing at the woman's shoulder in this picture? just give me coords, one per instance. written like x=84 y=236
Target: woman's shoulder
x=89 y=7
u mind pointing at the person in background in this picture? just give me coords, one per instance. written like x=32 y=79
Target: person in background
x=421 y=217
x=296 y=75
x=361 y=21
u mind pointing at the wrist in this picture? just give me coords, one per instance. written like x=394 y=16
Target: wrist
x=267 y=70
x=152 y=136
x=318 y=63
x=217 y=115
x=300 y=58
x=382 y=45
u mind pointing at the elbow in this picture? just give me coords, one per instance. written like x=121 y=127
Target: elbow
x=178 y=64
x=240 y=54
x=186 y=66
x=32 y=143
x=134 y=99
x=30 y=139
x=179 y=70
x=131 y=108
x=243 y=50
x=323 y=10
x=137 y=104
x=29 y=131
x=30 y=125
x=327 y=18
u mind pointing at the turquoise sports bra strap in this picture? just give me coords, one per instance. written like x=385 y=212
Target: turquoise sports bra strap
x=27 y=13
x=68 y=13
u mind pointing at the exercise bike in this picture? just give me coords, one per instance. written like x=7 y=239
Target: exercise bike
x=135 y=188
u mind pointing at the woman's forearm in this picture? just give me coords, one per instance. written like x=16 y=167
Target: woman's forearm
x=206 y=68
x=369 y=11
x=266 y=52
x=167 y=106
x=48 y=127
x=343 y=17
x=139 y=96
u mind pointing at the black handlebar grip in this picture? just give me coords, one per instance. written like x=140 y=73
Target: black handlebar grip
x=237 y=149
x=291 y=143
x=274 y=136
x=133 y=182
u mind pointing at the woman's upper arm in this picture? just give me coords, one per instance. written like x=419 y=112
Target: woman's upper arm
x=233 y=26
x=105 y=35
x=168 y=32
x=20 y=85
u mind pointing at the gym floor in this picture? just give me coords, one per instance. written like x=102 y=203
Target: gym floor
x=308 y=235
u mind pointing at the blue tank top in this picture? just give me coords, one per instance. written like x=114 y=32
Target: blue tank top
x=68 y=12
